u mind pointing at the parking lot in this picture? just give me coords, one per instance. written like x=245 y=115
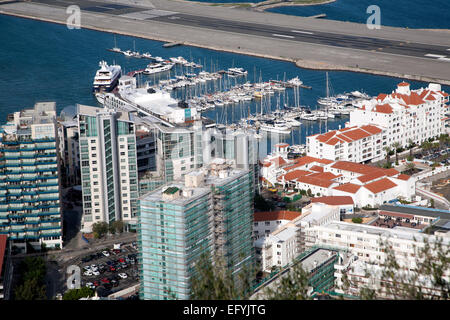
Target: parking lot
x=109 y=270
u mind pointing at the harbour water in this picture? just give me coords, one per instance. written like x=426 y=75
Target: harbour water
x=42 y=61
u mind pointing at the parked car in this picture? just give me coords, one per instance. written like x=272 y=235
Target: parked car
x=88 y=273
x=105 y=253
x=96 y=283
x=104 y=280
x=96 y=273
x=90 y=285
x=123 y=275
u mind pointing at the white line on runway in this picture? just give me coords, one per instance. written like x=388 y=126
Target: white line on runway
x=305 y=32
x=434 y=55
x=282 y=35
x=444 y=59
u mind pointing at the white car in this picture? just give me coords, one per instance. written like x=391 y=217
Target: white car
x=87 y=268
x=90 y=285
x=123 y=275
x=88 y=273
x=106 y=253
x=95 y=273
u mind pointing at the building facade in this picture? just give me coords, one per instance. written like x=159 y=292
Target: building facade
x=209 y=211
x=30 y=199
x=405 y=115
x=108 y=167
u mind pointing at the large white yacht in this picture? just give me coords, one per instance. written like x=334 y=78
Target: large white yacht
x=158 y=67
x=106 y=77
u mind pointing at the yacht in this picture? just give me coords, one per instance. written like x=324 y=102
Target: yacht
x=277 y=127
x=295 y=82
x=146 y=55
x=107 y=77
x=236 y=72
x=158 y=67
x=178 y=60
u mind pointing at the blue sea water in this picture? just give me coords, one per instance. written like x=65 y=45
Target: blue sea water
x=42 y=61
x=396 y=13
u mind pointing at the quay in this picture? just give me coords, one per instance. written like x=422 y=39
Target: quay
x=310 y=43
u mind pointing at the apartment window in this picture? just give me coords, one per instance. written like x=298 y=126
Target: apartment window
x=267 y=223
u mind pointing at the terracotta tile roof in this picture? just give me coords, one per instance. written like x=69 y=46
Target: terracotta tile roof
x=371 y=176
x=324 y=175
x=315 y=181
x=275 y=215
x=278 y=161
x=403 y=177
x=299 y=162
x=316 y=168
x=334 y=200
x=355 y=167
x=349 y=134
x=267 y=164
x=371 y=129
x=380 y=185
x=282 y=145
x=381 y=96
x=391 y=172
x=383 y=108
x=295 y=174
x=348 y=187
x=356 y=134
x=403 y=84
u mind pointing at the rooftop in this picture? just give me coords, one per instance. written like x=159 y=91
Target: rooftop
x=275 y=215
x=413 y=210
x=334 y=200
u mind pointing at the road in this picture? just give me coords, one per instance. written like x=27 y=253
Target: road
x=410 y=54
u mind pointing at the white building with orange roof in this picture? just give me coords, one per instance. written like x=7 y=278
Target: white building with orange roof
x=271 y=167
x=405 y=114
x=357 y=143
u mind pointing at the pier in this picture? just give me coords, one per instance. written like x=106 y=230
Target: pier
x=172 y=44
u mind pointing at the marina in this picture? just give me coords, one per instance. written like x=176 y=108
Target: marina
x=80 y=70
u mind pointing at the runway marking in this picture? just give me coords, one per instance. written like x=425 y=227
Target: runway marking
x=304 y=32
x=282 y=35
x=444 y=59
x=434 y=55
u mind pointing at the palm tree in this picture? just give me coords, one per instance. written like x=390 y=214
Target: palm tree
x=411 y=147
x=396 y=145
x=426 y=146
x=388 y=150
x=410 y=166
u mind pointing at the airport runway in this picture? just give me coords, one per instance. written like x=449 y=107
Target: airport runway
x=269 y=31
x=410 y=54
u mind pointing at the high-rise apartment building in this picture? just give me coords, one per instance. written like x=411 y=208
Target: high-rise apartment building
x=211 y=210
x=108 y=166
x=30 y=205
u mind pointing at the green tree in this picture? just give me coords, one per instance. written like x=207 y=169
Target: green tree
x=357 y=220
x=31 y=286
x=118 y=226
x=388 y=154
x=77 y=294
x=292 y=285
x=100 y=229
x=396 y=146
x=261 y=203
x=396 y=282
x=214 y=281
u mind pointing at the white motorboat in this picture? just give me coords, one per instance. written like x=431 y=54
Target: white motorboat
x=276 y=128
x=158 y=67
